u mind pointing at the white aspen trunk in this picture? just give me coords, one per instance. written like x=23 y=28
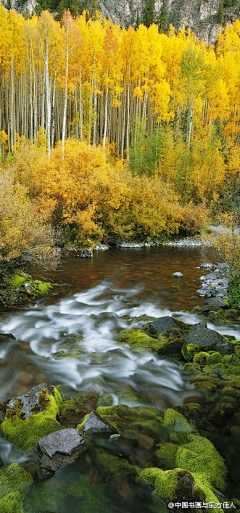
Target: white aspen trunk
x=65 y=100
x=53 y=108
x=95 y=116
x=124 y=121
x=128 y=121
x=80 y=109
x=43 y=101
x=105 y=115
x=12 y=124
x=48 y=97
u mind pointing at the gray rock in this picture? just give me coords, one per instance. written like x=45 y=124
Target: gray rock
x=161 y=325
x=216 y=301
x=206 y=265
x=30 y=402
x=208 y=339
x=60 y=449
x=95 y=425
x=178 y=274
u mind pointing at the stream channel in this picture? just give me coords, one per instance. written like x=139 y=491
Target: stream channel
x=68 y=338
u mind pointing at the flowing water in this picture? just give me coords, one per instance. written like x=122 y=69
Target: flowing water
x=71 y=340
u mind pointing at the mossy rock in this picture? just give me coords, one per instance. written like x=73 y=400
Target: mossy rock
x=166 y=455
x=178 y=485
x=177 y=426
x=128 y=395
x=199 y=455
x=137 y=339
x=189 y=350
x=192 y=367
x=200 y=358
x=170 y=346
x=73 y=410
x=14 y=485
x=25 y=433
x=105 y=400
x=130 y=422
x=110 y=465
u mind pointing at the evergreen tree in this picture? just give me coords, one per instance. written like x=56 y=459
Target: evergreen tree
x=148 y=13
x=163 y=23
x=220 y=13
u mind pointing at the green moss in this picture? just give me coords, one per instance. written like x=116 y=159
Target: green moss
x=105 y=400
x=200 y=455
x=111 y=465
x=40 y=288
x=178 y=485
x=192 y=367
x=200 y=358
x=67 y=491
x=128 y=395
x=26 y=433
x=166 y=455
x=132 y=421
x=138 y=339
x=189 y=350
x=14 y=485
x=17 y=280
x=177 y=425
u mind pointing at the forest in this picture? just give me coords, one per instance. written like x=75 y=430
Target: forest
x=109 y=134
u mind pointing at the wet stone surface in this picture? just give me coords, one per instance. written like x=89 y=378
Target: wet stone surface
x=95 y=425
x=60 y=449
x=30 y=402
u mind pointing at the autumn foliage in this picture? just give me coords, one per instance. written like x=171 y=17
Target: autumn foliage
x=108 y=133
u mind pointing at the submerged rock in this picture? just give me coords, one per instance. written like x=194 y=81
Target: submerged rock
x=178 y=274
x=60 y=448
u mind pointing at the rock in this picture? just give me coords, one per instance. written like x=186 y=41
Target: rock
x=178 y=274
x=4 y=337
x=206 y=265
x=95 y=425
x=146 y=442
x=161 y=325
x=86 y=253
x=216 y=301
x=101 y=247
x=30 y=402
x=214 y=284
x=60 y=449
x=199 y=334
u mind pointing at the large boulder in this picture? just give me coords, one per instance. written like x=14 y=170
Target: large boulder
x=207 y=339
x=59 y=449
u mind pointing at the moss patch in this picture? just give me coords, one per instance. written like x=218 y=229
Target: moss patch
x=178 y=485
x=137 y=338
x=14 y=485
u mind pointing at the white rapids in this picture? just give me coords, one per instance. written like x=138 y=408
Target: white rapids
x=73 y=343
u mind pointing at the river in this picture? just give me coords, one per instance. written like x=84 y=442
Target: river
x=69 y=339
